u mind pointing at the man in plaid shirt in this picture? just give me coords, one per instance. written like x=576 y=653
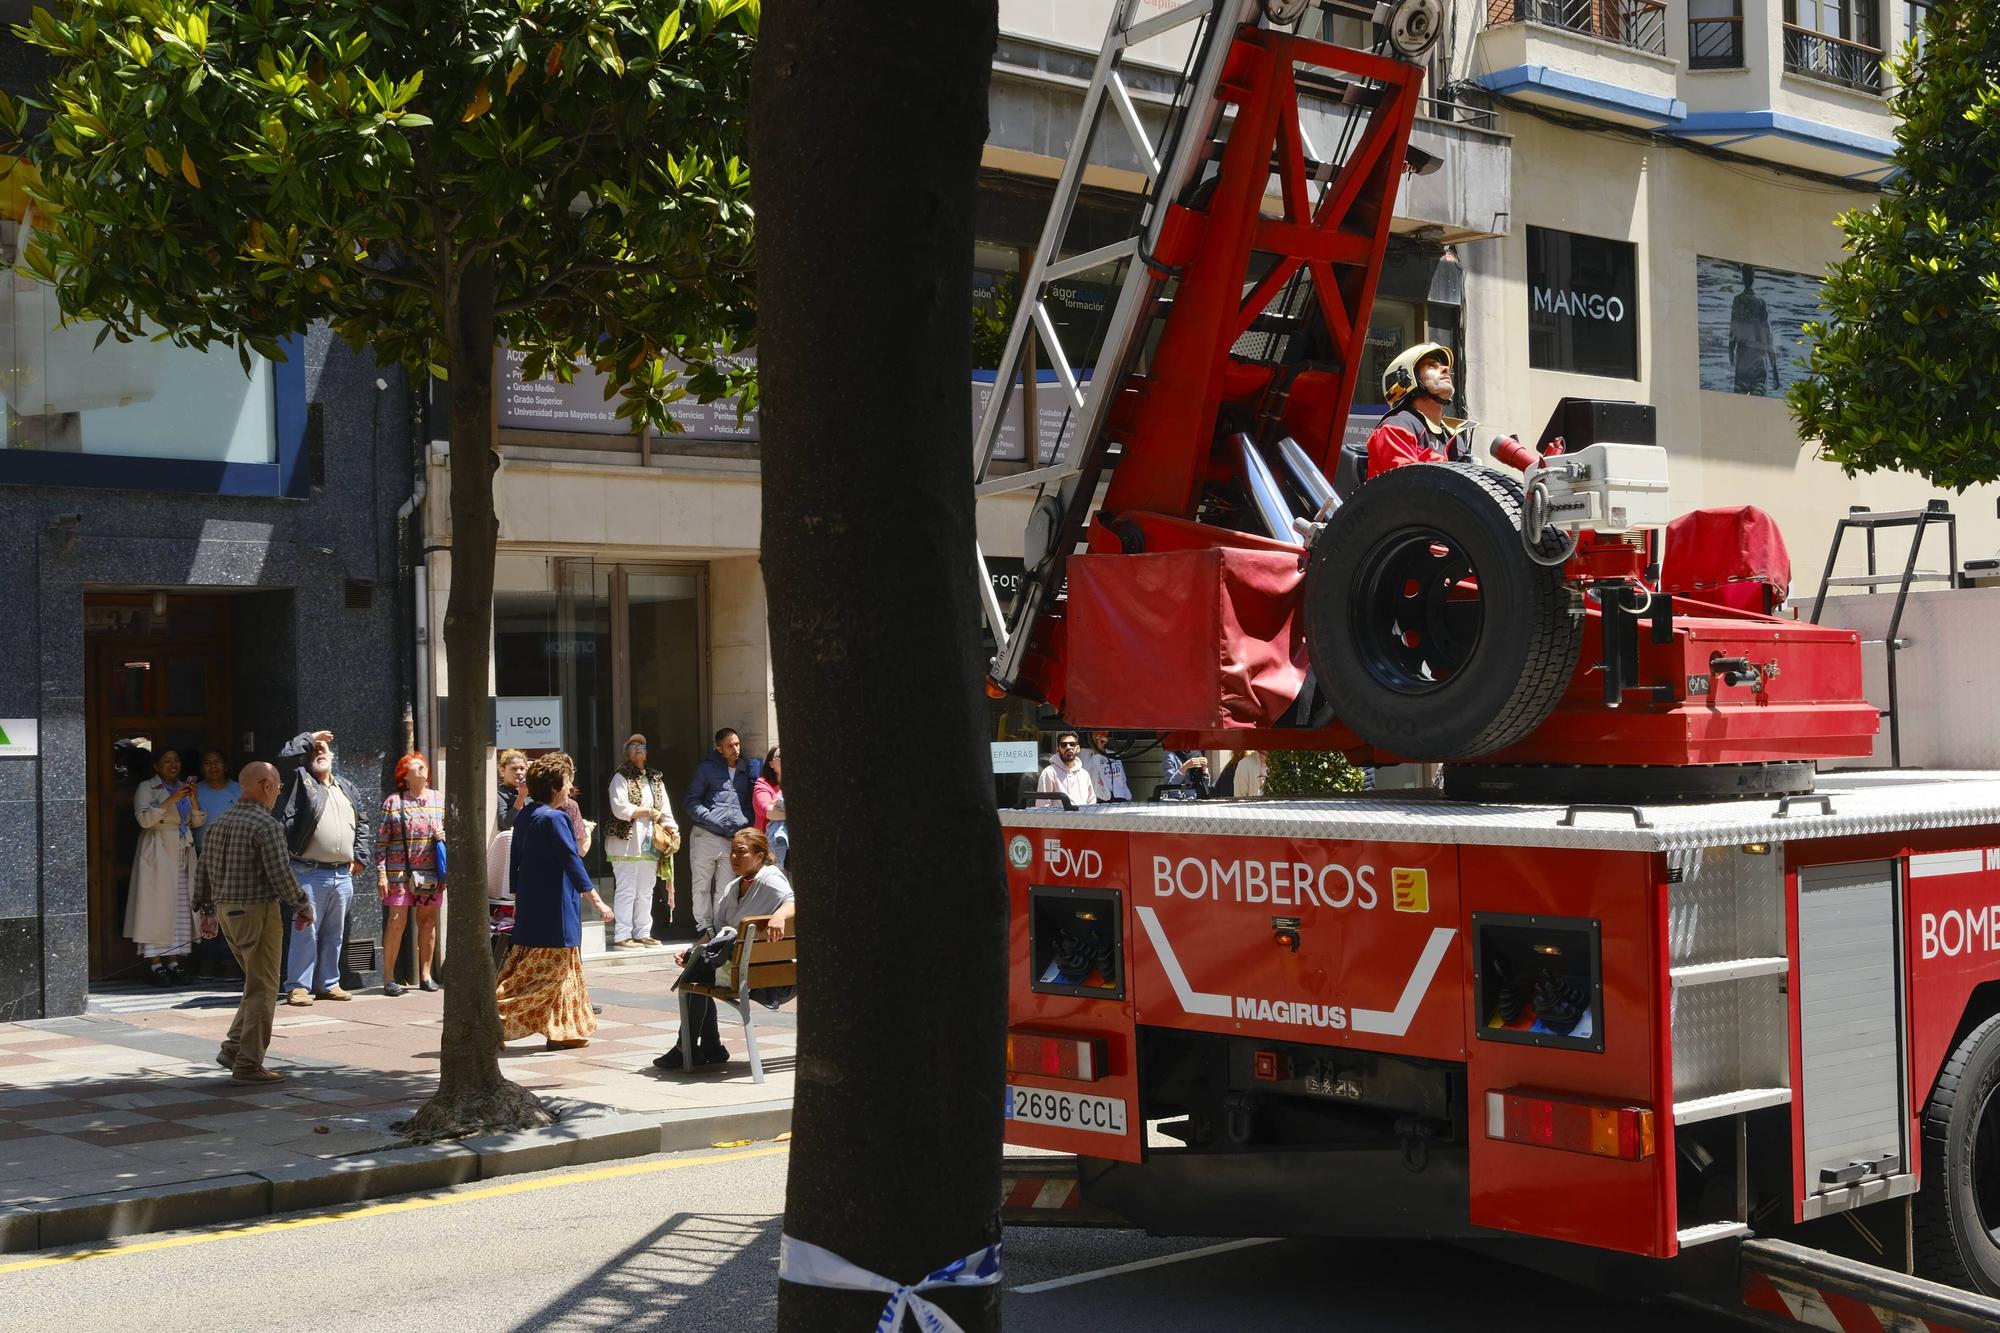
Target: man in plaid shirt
x=244 y=872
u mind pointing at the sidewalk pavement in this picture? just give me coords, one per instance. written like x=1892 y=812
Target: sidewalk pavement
x=127 y=1104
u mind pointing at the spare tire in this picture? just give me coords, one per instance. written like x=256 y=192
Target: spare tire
x=1432 y=632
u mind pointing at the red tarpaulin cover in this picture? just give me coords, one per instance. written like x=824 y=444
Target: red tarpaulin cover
x=1727 y=557
x=1204 y=638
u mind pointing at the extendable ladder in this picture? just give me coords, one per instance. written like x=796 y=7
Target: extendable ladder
x=1169 y=168
x=1194 y=135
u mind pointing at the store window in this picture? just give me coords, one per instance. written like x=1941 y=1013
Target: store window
x=1583 y=304
x=64 y=393
x=552 y=641
x=607 y=649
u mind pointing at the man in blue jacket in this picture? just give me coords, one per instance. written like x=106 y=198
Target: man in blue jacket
x=719 y=802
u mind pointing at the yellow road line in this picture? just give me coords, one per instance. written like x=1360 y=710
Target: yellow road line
x=525 y=1185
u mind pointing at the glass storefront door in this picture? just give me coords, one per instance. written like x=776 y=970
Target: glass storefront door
x=621 y=648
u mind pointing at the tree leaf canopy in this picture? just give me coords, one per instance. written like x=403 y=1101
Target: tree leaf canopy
x=232 y=175
x=1905 y=370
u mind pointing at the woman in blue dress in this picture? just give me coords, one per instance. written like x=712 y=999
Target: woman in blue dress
x=541 y=987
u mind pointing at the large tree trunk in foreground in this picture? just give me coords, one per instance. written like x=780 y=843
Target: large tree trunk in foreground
x=472 y=1096
x=865 y=278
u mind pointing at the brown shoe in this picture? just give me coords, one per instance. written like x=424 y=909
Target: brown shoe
x=565 y=1045
x=255 y=1074
x=628 y=944
x=299 y=996
x=649 y=941
x=334 y=993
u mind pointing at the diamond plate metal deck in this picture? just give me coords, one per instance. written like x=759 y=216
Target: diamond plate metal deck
x=1862 y=803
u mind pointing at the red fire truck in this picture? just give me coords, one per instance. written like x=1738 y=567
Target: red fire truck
x=1638 y=981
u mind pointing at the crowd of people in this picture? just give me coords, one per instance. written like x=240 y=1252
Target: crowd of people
x=1096 y=776
x=269 y=858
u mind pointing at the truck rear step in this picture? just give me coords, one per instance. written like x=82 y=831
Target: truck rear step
x=1821 y=1290
x=1046 y=1191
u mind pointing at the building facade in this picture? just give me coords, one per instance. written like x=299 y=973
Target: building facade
x=197 y=559
x=1677 y=174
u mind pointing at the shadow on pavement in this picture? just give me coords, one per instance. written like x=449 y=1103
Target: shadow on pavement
x=693 y=1273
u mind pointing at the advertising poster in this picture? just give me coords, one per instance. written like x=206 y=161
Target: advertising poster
x=1750 y=322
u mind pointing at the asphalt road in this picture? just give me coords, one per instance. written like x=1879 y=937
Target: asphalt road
x=690 y=1243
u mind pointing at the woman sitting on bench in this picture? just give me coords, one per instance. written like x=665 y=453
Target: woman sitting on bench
x=759 y=889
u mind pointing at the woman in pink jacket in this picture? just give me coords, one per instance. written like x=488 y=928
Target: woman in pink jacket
x=767 y=803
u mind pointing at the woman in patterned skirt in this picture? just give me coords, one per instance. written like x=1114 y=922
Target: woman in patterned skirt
x=541 y=984
x=406 y=869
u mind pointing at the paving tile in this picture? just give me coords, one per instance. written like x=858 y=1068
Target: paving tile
x=156 y=1132
x=15 y=1098
x=162 y=1100
x=14 y=1060
x=93 y=1119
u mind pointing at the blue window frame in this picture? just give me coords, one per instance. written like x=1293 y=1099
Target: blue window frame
x=288 y=476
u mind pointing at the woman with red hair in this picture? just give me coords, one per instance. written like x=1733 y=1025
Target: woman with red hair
x=408 y=872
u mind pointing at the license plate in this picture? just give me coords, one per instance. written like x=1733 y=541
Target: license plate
x=1066 y=1110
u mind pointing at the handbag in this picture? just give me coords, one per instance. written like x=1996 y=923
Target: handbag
x=704 y=958
x=666 y=839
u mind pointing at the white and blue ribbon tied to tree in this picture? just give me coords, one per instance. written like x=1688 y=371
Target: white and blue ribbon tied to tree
x=808 y=1265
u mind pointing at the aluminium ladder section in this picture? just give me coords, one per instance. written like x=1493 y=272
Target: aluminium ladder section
x=1192 y=123
x=1859 y=516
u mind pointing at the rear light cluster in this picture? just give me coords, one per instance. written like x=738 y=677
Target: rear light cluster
x=1569 y=1124
x=1059 y=1057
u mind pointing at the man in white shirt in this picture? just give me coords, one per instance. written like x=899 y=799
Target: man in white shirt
x=1067 y=774
x=1107 y=770
x=638 y=803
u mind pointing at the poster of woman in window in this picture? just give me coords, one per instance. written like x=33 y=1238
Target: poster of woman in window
x=1750 y=323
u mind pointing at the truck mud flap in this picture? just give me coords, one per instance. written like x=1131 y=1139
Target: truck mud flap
x=1819 y=1290
x=1047 y=1191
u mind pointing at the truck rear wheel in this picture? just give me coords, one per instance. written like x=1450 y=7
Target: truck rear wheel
x=1958 y=1209
x=1433 y=634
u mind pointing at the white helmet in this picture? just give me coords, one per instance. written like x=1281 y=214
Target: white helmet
x=1401 y=375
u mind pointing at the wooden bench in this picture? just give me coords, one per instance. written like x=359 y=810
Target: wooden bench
x=756 y=964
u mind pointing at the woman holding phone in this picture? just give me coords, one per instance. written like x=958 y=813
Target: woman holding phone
x=159 y=917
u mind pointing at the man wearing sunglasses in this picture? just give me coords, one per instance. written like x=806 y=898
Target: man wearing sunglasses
x=1066 y=773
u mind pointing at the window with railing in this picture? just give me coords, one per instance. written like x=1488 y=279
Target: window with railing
x=1639 y=24
x=1715 y=34
x=1835 y=41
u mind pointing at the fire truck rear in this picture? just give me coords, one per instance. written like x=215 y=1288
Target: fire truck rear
x=1642 y=1030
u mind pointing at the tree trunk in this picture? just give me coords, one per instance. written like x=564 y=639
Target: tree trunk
x=472 y=1097
x=865 y=279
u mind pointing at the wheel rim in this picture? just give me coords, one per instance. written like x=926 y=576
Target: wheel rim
x=1986 y=1166
x=1417 y=615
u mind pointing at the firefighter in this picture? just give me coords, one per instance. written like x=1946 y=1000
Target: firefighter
x=1416 y=385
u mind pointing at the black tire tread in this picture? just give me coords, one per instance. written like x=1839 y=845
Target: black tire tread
x=1552 y=651
x=1934 y=1209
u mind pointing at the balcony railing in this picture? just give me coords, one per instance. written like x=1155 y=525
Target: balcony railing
x=1639 y=24
x=1715 y=43
x=1833 y=59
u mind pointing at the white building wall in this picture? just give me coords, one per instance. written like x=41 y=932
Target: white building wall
x=1676 y=205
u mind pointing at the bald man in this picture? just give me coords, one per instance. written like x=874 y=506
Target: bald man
x=245 y=871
